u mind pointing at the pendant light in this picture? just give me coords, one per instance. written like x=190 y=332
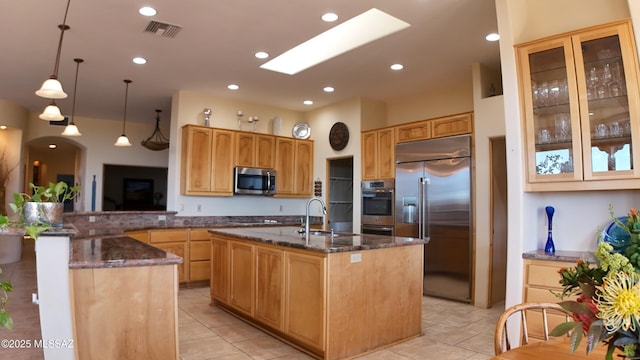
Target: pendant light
x=157 y=141
x=123 y=140
x=51 y=112
x=72 y=129
x=52 y=88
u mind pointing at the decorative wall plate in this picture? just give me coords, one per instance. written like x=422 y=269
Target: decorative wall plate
x=339 y=136
x=301 y=131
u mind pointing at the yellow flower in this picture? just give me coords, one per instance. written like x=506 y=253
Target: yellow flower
x=619 y=301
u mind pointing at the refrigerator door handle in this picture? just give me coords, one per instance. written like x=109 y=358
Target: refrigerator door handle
x=425 y=217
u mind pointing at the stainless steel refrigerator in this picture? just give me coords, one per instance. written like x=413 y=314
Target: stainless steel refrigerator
x=433 y=201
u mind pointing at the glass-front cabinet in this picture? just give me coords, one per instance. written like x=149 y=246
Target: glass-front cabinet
x=580 y=105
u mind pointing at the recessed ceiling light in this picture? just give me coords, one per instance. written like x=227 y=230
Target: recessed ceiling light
x=3 y=127
x=328 y=89
x=147 y=11
x=369 y=26
x=308 y=102
x=492 y=37
x=52 y=146
x=139 y=60
x=329 y=17
x=262 y=55
x=396 y=67
x=233 y=87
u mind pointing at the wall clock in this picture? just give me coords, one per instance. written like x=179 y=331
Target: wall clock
x=339 y=136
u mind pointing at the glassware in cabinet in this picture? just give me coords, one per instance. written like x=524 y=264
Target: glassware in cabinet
x=552 y=118
x=607 y=136
x=585 y=131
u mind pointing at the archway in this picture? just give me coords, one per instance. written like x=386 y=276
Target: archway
x=52 y=159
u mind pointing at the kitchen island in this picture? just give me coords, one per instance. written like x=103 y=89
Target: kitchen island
x=124 y=299
x=331 y=297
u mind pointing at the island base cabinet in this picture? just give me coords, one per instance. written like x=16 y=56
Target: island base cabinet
x=112 y=307
x=305 y=301
x=329 y=305
x=374 y=302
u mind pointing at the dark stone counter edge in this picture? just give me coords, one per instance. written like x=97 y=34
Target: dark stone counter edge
x=564 y=256
x=331 y=249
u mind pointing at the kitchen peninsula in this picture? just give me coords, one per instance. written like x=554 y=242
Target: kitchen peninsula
x=332 y=297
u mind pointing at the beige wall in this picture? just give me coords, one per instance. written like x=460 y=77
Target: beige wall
x=489 y=122
x=450 y=100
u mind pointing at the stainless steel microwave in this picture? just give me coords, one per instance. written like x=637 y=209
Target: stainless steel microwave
x=254 y=181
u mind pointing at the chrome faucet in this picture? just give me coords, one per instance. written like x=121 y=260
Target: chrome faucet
x=324 y=211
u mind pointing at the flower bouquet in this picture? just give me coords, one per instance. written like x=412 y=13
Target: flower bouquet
x=607 y=307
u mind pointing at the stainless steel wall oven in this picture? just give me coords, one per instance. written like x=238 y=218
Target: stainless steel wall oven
x=378 y=202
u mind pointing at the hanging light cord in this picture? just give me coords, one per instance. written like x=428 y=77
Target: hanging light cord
x=126 y=95
x=75 y=91
x=62 y=27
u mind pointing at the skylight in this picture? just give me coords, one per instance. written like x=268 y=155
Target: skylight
x=362 y=29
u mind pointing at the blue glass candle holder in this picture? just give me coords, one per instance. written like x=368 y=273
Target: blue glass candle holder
x=549 y=247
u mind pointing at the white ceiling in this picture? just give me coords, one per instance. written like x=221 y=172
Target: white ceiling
x=216 y=47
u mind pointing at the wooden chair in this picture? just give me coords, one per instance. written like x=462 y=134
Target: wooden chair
x=525 y=310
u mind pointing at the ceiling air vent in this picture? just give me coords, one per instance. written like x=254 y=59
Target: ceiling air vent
x=163 y=29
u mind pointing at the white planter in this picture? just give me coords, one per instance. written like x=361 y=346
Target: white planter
x=10 y=248
x=43 y=213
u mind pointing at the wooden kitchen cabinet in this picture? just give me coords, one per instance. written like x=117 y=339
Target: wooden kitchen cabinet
x=294 y=167
x=220 y=269
x=452 y=125
x=269 y=297
x=305 y=298
x=303 y=165
x=540 y=278
x=378 y=154
x=174 y=241
x=420 y=130
x=199 y=255
x=140 y=235
x=207 y=161
x=255 y=150
x=196 y=160
x=580 y=106
x=242 y=276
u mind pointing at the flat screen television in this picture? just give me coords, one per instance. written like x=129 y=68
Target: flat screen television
x=137 y=194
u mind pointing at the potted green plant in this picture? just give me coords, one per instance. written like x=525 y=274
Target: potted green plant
x=41 y=209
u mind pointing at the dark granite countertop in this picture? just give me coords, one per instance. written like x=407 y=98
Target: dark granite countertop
x=289 y=236
x=567 y=256
x=117 y=251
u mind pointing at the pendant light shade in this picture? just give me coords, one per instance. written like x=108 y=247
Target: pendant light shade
x=51 y=112
x=52 y=88
x=72 y=129
x=157 y=141
x=123 y=140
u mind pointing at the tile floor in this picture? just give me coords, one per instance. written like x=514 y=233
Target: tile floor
x=205 y=332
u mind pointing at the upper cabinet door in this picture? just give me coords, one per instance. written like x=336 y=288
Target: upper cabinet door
x=580 y=104
x=606 y=65
x=552 y=118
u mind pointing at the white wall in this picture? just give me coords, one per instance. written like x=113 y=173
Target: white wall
x=579 y=215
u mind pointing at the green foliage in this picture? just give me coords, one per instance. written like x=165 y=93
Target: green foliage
x=5 y=319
